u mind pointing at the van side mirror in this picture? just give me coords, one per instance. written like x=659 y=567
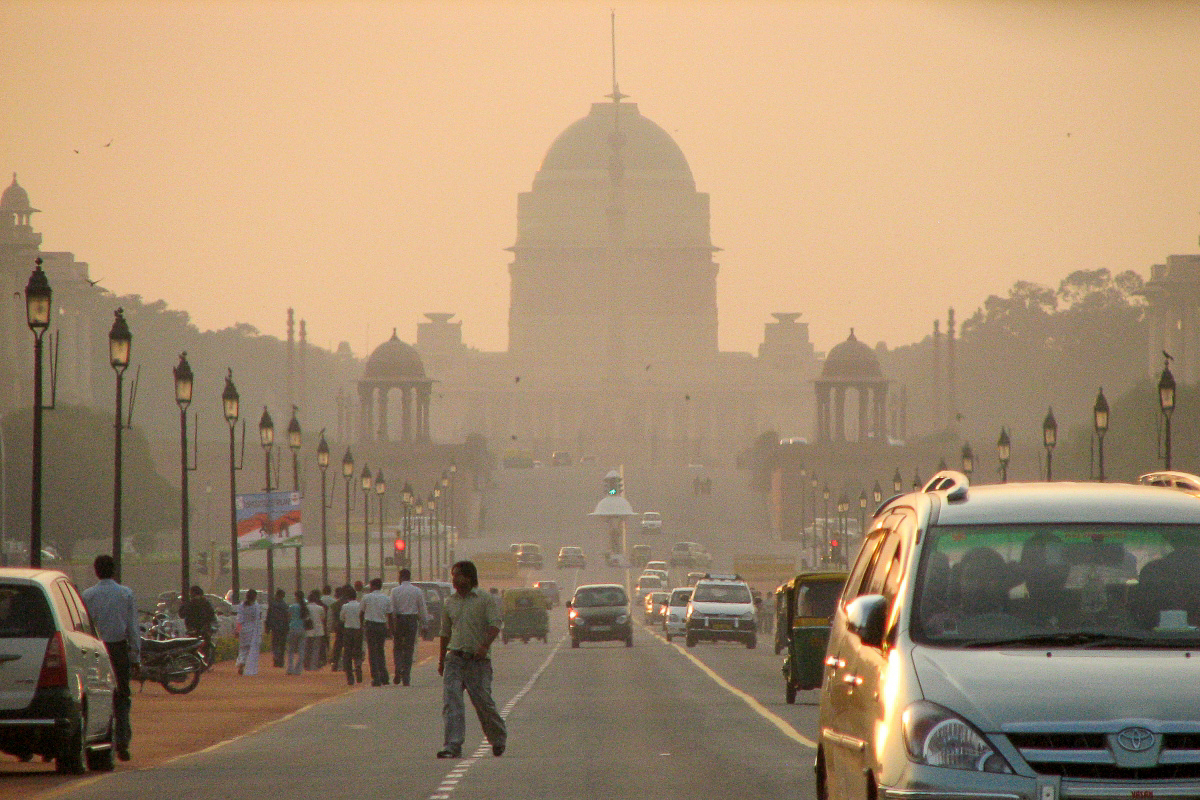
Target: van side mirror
x=865 y=618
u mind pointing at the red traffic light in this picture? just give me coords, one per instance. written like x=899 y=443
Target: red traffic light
x=400 y=545
x=833 y=543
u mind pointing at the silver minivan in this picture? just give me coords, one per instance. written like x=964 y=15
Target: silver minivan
x=1018 y=642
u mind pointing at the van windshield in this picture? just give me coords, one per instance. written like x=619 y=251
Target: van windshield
x=602 y=596
x=721 y=593
x=1097 y=585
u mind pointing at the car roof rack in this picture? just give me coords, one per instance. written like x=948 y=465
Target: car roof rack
x=954 y=484
x=722 y=576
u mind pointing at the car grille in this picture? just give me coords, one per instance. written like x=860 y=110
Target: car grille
x=1091 y=756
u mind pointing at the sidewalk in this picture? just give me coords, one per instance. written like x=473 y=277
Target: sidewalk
x=166 y=726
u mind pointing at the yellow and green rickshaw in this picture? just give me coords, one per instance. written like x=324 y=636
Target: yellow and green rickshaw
x=805 y=605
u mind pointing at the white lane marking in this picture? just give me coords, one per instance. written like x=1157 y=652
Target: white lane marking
x=779 y=722
x=450 y=781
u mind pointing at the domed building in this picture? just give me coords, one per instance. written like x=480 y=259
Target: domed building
x=851 y=365
x=394 y=365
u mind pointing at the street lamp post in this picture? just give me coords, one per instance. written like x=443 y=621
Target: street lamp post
x=431 y=503
x=1166 y=401
x=803 y=491
x=825 y=521
x=266 y=437
x=877 y=494
x=323 y=465
x=406 y=497
x=230 y=402
x=348 y=474
x=420 y=512
x=294 y=441
x=119 y=341
x=843 y=507
x=452 y=532
x=365 y=478
x=1049 y=439
x=37 y=315
x=862 y=513
x=439 y=543
x=183 y=398
x=380 y=490
x=968 y=459
x=1100 y=420
x=897 y=482
x=1003 y=451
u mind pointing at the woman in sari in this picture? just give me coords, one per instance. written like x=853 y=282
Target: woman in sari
x=249 y=629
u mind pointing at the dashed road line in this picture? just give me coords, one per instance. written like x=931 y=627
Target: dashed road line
x=450 y=782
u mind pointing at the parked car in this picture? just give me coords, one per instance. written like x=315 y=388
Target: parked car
x=1017 y=640
x=571 y=557
x=651 y=522
x=56 y=679
x=600 y=612
x=529 y=555
x=674 y=619
x=654 y=607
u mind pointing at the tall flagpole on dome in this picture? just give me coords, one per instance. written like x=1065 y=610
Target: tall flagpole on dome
x=616 y=227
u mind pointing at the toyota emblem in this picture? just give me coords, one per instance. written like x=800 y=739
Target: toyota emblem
x=1135 y=740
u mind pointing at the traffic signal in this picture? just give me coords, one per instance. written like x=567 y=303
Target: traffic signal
x=224 y=563
x=400 y=544
x=612 y=483
x=202 y=563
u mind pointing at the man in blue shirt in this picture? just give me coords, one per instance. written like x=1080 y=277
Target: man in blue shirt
x=110 y=605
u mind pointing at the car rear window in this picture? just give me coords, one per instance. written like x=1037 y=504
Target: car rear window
x=721 y=593
x=680 y=597
x=24 y=612
x=605 y=596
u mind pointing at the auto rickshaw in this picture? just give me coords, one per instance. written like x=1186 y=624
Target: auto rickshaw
x=524 y=615
x=809 y=601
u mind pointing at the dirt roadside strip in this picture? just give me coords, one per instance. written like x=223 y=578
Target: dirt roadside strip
x=166 y=726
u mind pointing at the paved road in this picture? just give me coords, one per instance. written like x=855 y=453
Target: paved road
x=595 y=722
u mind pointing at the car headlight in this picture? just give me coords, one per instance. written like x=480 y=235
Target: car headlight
x=622 y=619
x=749 y=615
x=940 y=738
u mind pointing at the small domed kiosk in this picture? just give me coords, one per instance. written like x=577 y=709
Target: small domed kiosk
x=851 y=365
x=394 y=365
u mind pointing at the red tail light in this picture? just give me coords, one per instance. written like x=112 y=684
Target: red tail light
x=572 y=614
x=54 y=665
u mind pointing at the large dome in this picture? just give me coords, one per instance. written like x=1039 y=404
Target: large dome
x=394 y=361
x=851 y=360
x=586 y=143
x=15 y=198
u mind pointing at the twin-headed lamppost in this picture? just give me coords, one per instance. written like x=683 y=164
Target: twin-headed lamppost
x=366 y=489
x=323 y=465
x=1100 y=421
x=380 y=490
x=266 y=437
x=230 y=400
x=1049 y=439
x=348 y=474
x=37 y=315
x=294 y=441
x=1003 y=452
x=183 y=398
x=119 y=341
x=1166 y=401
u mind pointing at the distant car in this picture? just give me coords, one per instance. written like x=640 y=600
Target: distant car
x=529 y=555
x=653 y=607
x=689 y=554
x=640 y=554
x=433 y=605
x=658 y=573
x=675 y=612
x=647 y=584
x=659 y=565
x=692 y=577
x=721 y=608
x=560 y=458
x=651 y=522
x=571 y=557
x=56 y=679
x=550 y=589
x=600 y=612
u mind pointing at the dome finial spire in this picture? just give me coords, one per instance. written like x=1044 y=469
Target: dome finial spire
x=616 y=95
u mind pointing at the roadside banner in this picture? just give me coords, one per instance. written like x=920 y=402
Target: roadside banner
x=269 y=519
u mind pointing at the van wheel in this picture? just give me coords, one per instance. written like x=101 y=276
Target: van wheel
x=72 y=759
x=791 y=694
x=751 y=643
x=574 y=642
x=629 y=640
x=690 y=640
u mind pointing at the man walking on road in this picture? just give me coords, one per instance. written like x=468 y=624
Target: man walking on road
x=277 y=625
x=470 y=622
x=377 y=618
x=408 y=606
x=110 y=605
x=350 y=635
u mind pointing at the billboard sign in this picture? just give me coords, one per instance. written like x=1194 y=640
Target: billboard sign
x=269 y=519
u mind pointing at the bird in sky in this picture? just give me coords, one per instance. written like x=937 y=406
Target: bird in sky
x=93 y=282
x=517 y=379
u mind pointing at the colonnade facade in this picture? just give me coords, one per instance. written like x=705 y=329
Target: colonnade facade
x=414 y=410
x=831 y=409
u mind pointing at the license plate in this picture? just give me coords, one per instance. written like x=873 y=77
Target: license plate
x=600 y=627
x=722 y=625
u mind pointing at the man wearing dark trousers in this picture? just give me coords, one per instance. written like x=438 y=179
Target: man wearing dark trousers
x=110 y=605
x=278 y=618
x=470 y=622
x=377 y=618
x=409 y=612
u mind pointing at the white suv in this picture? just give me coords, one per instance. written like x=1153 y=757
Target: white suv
x=721 y=607
x=651 y=522
x=56 y=680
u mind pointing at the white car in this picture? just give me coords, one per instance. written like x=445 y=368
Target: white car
x=721 y=608
x=647 y=584
x=658 y=573
x=651 y=522
x=56 y=680
x=673 y=622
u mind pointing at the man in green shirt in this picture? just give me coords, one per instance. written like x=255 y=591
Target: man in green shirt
x=470 y=622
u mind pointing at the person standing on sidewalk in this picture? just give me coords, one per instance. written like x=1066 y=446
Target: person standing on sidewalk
x=299 y=623
x=335 y=619
x=377 y=618
x=277 y=625
x=410 y=612
x=110 y=605
x=350 y=637
x=470 y=623
x=249 y=632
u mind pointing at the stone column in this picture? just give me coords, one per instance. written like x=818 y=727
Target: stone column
x=839 y=413
x=366 y=415
x=406 y=422
x=383 y=413
x=863 y=391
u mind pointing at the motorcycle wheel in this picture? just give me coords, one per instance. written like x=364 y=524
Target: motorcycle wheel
x=183 y=673
x=208 y=653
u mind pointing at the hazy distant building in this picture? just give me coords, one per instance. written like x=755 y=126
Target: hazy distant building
x=1173 y=312
x=613 y=317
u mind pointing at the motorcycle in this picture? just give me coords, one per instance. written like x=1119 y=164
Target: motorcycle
x=175 y=663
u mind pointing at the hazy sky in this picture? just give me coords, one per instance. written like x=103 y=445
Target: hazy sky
x=869 y=164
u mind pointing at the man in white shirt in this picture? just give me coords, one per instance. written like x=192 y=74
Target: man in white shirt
x=377 y=618
x=350 y=615
x=409 y=612
x=114 y=614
